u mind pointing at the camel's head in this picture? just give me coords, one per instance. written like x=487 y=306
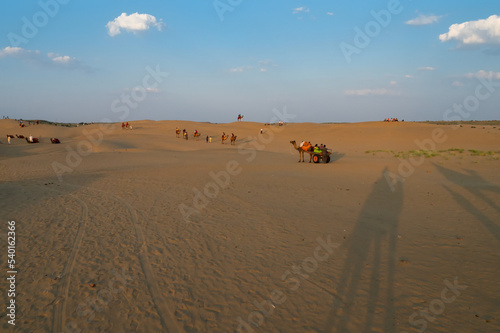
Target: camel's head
x=292 y=142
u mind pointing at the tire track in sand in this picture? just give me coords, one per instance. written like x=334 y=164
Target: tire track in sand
x=168 y=321
x=62 y=290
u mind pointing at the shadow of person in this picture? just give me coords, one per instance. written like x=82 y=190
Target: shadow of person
x=371 y=251
x=477 y=186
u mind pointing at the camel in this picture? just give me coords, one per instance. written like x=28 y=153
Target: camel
x=233 y=139
x=177 y=132
x=302 y=152
x=224 y=138
x=196 y=134
x=240 y=117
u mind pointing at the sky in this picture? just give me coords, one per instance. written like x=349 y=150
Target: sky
x=210 y=60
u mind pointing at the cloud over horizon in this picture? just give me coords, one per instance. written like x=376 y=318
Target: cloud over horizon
x=133 y=23
x=371 y=92
x=482 y=74
x=427 y=69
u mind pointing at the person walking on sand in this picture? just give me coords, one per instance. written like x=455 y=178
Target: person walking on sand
x=261 y=131
x=8 y=139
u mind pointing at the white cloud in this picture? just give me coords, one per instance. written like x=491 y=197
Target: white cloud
x=423 y=20
x=262 y=66
x=329 y=13
x=457 y=84
x=9 y=51
x=237 y=70
x=427 y=69
x=63 y=59
x=408 y=76
x=16 y=52
x=133 y=23
x=67 y=62
x=485 y=31
x=52 y=60
x=371 y=92
x=141 y=89
x=483 y=75
x=299 y=10
x=393 y=83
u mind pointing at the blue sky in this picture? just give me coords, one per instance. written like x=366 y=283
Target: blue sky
x=68 y=60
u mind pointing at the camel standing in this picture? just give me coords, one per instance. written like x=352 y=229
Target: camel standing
x=233 y=139
x=224 y=138
x=302 y=152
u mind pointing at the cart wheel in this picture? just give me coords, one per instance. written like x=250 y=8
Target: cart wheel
x=327 y=159
x=316 y=158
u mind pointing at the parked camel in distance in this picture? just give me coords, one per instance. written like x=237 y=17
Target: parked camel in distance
x=302 y=151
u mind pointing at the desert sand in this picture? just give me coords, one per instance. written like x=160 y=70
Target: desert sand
x=140 y=231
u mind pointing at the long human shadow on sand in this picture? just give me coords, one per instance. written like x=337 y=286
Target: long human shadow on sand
x=371 y=249
x=477 y=186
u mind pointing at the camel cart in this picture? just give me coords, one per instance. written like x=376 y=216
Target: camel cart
x=323 y=156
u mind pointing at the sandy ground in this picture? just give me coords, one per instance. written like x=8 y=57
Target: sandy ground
x=140 y=231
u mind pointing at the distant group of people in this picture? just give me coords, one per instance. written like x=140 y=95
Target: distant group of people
x=224 y=138
x=279 y=123
x=391 y=119
x=22 y=124
x=208 y=138
x=307 y=146
x=126 y=125
x=185 y=135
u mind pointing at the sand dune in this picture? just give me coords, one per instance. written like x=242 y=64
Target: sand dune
x=140 y=231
